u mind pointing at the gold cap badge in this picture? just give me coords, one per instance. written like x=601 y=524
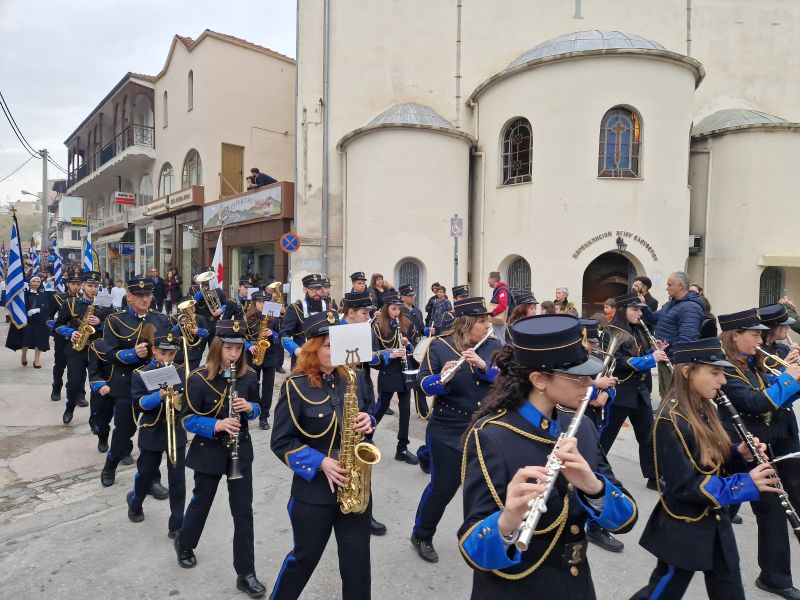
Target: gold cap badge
x=236 y=326
x=331 y=318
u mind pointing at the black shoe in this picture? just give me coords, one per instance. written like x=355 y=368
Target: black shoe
x=425 y=549
x=55 y=396
x=135 y=515
x=651 y=484
x=250 y=585
x=264 y=424
x=102 y=446
x=67 y=417
x=108 y=475
x=172 y=534
x=389 y=412
x=406 y=457
x=158 y=491
x=376 y=528
x=737 y=520
x=601 y=537
x=186 y=557
x=792 y=593
x=82 y=401
x=127 y=460
x=280 y=370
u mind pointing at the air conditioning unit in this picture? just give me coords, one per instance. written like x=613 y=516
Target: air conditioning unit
x=695 y=243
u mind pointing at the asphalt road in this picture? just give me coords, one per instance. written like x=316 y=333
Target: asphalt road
x=63 y=536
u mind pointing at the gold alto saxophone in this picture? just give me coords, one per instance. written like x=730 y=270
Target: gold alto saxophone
x=355 y=456
x=85 y=331
x=263 y=343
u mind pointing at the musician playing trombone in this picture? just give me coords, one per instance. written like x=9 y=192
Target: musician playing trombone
x=700 y=474
x=764 y=402
x=154 y=432
x=512 y=438
x=458 y=390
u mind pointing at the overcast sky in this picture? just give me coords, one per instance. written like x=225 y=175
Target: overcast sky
x=59 y=58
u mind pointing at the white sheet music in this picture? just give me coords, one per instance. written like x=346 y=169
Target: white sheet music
x=272 y=309
x=251 y=291
x=102 y=300
x=351 y=343
x=160 y=377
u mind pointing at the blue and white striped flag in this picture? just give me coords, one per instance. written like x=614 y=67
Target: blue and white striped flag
x=58 y=271
x=3 y=258
x=88 y=260
x=34 y=258
x=15 y=297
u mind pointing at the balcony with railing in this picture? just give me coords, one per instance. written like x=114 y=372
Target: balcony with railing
x=134 y=135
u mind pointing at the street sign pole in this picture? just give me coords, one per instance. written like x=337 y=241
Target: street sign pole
x=45 y=198
x=456 y=231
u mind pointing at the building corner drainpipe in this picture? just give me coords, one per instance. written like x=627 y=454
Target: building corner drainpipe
x=289 y=262
x=326 y=54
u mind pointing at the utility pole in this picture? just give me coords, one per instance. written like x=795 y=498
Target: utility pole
x=45 y=198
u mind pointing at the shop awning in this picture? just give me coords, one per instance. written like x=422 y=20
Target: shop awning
x=780 y=259
x=111 y=237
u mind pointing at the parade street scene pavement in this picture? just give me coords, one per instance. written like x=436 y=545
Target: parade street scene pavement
x=64 y=536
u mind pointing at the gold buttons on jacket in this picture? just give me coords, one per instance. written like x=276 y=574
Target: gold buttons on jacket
x=574 y=530
x=574 y=571
x=570 y=487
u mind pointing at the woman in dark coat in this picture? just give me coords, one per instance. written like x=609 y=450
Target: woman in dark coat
x=172 y=292
x=35 y=334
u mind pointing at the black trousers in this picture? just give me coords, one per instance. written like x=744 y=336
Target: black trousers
x=404 y=405
x=445 y=463
x=311 y=528
x=60 y=362
x=240 y=499
x=723 y=581
x=124 y=428
x=641 y=419
x=77 y=362
x=102 y=411
x=267 y=377
x=147 y=472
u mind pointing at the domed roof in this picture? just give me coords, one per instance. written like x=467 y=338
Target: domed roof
x=410 y=113
x=734 y=118
x=580 y=41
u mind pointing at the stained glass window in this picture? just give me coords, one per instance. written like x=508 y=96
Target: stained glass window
x=620 y=143
x=517 y=152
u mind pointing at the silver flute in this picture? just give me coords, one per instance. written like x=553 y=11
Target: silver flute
x=538 y=506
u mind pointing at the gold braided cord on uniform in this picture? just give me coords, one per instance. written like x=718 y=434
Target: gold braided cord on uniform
x=485 y=472
x=466 y=443
x=661 y=500
x=294 y=418
x=714 y=470
x=134 y=331
x=525 y=434
x=217 y=405
x=387 y=344
x=309 y=400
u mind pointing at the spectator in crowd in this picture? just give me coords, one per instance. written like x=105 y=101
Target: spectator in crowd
x=429 y=306
x=378 y=288
x=117 y=294
x=178 y=280
x=562 y=295
x=158 y=290
x=106 y=282
x=548 y=307
x=609 y=310
x=708 y=329
x=679 y=320
x=642 y=285
x=441 y=306
x=172 y=292
x=559 y=307
x=499 y=305
x=697 y=289
x=258 y=179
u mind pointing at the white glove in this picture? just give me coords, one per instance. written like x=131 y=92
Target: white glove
x=34 y=311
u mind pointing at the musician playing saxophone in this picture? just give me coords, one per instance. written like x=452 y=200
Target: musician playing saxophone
x=205 y=414
x=306 y=436
x=453 y=406
x=74 y=318
x=260 y=330
x=765 y=405
x=514 y=432
x=152 y=438
x=700 y=474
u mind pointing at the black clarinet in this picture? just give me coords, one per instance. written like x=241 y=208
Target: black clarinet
x=724 y=402
x=232 y=440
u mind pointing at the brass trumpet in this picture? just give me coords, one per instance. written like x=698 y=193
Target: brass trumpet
x=776 y=359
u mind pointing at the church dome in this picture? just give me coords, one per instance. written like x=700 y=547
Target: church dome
x=734 y=118
x=583 y=41
x=410 y=113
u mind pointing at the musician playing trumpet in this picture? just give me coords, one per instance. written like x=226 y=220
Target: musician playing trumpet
x=154 y=432
x=264 y=351
x=513 y=434
x=455 y=401
x=764 y=402
x=700 y=474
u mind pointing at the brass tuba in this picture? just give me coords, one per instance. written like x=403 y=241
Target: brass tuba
x=355 y=455
x=209 y=295
x=187 y=318
x=276 y=287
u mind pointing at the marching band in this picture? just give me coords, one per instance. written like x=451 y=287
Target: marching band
x=506 y=424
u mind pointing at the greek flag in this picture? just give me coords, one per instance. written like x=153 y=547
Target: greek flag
x=34 y=258
x=58 y=271
x=15 y=297
x=88 y=261
x=3 y=259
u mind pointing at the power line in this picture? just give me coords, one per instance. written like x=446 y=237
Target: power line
x=2 y=179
